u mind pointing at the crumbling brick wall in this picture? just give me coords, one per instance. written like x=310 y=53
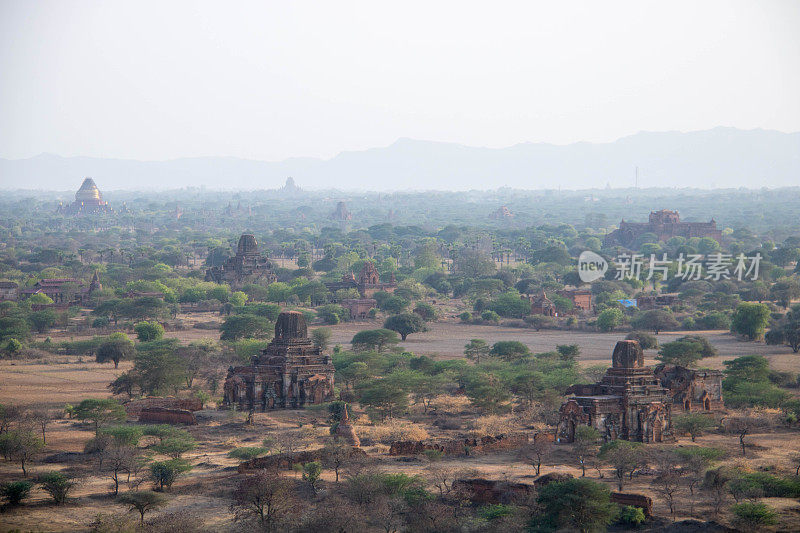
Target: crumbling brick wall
x=484 y=444
x=645 y=503
x=134 y=407
x=490 y=491
x=162 y=415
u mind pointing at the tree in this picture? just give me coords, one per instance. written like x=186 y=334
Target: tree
x=586 y=438
x=265 y=496
x=645 y=340
x=476 y=349
x=238 y=299
x=159 y=367
x=164 y=473
x=426 y=311
x=116 y=347
x=535 y=453
x=750 y=319
x=42 y=320
x=117 y=459
x=321 y=338
x=474 y=263
x=383 y=397
x=683 y=353
x=784 y=291
x=176 y=445
x=668 y=478
x=42 y=418
x=405 y=324
x=311 y=473
x=576 y=504
x=335 y=455
x=568 y=352
x=509 y=350
x=237 y=327
x=148 y=331
x=609 y=319
x=694 y=424
x=22 y=446
x=743 y=426
x=394 y=304
x=655 y=320
x=142 y=501
x=487 y=391
x=374 y=339
x=57 y=485
x=100 y=412
x=624 y=456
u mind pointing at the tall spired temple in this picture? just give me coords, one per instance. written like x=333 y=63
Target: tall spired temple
x=290 y=373
x=87 y=200
x=628 y=403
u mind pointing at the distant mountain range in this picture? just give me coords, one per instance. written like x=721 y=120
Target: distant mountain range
x=716 y=158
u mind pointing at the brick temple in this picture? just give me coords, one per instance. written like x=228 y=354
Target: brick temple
x=664 y=224
x=290 y=373
x=628 y=403
x=247 y=266
x=367 y=283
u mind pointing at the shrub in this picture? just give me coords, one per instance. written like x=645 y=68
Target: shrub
x=751 y=515
x=631 y=516
x=490 y=316
x=148 y=331
x=245 y=453
x=164 y=473
x=57 y=485
x=466 y=316
x=14 y=492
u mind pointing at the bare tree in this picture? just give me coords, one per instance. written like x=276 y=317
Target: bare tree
x=442 y=477
x=535 y=453
x=667 y=481
x=42 y=418
x=743 y=426
x=335 y=455
x=118 y=459
x=266 y=497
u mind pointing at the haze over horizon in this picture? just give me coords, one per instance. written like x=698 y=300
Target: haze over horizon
x=155 y=81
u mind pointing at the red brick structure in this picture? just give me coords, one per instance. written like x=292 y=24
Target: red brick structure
x=290 y=373
x=492 y=492
x=645 y=503
x=664 y=224
x=163 y=415
x=367 y=283
x=581 y=299
x=692 y=390
x=628 y=403
x=246 y=266
x=134 y=407
x=483 y=444
x=542 y=305
x=359 y=308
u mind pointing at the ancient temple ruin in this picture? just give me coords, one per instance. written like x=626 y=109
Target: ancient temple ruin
x=692 y=390
x=664 y=224
x=247 y=266
x=290 y=373
x=367 y=283
x=628 y=403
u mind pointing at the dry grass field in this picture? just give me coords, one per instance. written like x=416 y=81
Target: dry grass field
x=205 y=491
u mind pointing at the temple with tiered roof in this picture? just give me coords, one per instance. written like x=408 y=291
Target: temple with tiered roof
x=290 y=373
x=88 y=200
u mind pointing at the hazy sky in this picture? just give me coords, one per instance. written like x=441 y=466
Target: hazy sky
x=277 y=79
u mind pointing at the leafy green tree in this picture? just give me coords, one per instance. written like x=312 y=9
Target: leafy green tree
x=321 y=337
x=246 y=453
x=238 y=299
x=585 y=445
x=142 y=501
x=158 y=367
x=22 y=446
x=683 y=353
x=624 y=456
x=394 y=304
x=750 y=319
x=476 y=349
x=509 y=350
x=115 y=347
x=575 y=504
x=645 y=340
x=100 y=412
x=164 y=473
x=124 y=435
x=374 y=339
x=694 y=424
x=384 y=398
x=426 y=311
x=655 y=320
x=609 y=319
x=486 y=390
x=510 y=304
x=237 y=327
x=176 y=445
x=311 y=473
x=568 y=352
x=405 y=324
x=148 y=331
x=42 y=320
x=14 y=327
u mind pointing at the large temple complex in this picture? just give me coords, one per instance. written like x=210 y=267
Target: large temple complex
x=628 y=403
x=664 y=224
x=88 y=200
x=247 y=266
x=290 y=373
x=367 y=283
